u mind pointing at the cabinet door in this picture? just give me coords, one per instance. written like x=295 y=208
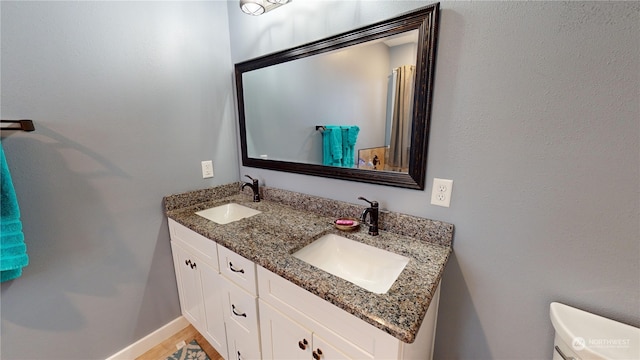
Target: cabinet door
x=212 y=291
x=194 y=243
x=240 y=310
x=191 y=301
x=242 y=344
x=323 y=351
x=283 y=338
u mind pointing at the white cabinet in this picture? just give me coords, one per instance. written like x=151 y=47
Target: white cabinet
x=237 y=269
x=199 y=284
x=219 y=295
x=215 y=330
x=289 y=316
x=223 y=305
x=324 y=350
x=243 y=345
x=284 y=338
x=240 y=305
x=189 y=288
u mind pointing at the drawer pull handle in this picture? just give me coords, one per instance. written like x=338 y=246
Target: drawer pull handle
x=317 y=354
x=234 y=269
x=303 y=344
x=233 y=310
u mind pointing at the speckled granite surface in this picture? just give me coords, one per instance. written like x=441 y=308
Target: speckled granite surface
x=289 y=221
x=420 y=228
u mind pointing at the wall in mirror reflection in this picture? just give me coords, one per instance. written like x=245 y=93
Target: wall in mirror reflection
x=344 y=88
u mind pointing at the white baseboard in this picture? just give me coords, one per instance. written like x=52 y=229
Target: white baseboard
x=146 y=343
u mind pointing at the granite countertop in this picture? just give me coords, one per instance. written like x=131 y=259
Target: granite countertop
x=283 y=227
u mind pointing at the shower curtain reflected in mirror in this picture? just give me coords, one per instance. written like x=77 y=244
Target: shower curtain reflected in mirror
x=397 y=158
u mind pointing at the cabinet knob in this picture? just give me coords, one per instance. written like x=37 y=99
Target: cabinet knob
x=317 y=354
x=303 y=344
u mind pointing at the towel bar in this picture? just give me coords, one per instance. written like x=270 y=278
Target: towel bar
x=24 y=125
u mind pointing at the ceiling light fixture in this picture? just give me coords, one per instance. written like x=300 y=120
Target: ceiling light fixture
x=259 y=7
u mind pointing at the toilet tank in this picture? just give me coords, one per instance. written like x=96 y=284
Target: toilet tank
x=581 y=335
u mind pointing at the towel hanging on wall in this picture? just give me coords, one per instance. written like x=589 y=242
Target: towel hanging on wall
x=348 y=145
x=13 y=251
x=338 y=143
x=332 y=146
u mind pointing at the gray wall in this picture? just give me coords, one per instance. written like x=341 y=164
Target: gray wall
x=536 y=119
x=330 y=89
x=127 y=99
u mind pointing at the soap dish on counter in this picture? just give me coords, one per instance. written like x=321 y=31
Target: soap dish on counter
x=346 y=224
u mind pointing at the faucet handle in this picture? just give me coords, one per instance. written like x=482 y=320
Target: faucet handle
x=252 y=179
x=372 y=203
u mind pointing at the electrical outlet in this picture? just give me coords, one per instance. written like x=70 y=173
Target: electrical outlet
x=207 y=169
x=441 y=192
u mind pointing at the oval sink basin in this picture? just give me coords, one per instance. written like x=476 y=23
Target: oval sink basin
x=366 y=266
x=227 y=213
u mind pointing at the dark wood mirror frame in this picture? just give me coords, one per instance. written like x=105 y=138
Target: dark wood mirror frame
x=426 y=21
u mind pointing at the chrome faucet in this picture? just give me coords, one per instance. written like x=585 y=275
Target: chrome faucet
x=373 y=216
x=254 y=186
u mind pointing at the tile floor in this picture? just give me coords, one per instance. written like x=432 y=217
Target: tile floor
x=168 y=347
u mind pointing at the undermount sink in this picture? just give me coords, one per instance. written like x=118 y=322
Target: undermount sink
x=369 y=267
x=227 y=213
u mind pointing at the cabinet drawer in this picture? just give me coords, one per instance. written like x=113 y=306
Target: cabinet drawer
x=240 y=308
x=239 y=270
x=202 y=247
x=243 y=345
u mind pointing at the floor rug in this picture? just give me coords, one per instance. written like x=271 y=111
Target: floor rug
x=191 y=351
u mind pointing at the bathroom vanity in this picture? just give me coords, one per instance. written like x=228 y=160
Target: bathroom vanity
x=242 y=288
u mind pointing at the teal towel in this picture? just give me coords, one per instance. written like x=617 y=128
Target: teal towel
x=350 y=136
x=332 y=146
x=327 y=160
x=338 y=143
x=13 y=251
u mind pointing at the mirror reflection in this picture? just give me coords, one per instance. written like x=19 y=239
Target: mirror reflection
x=351 y=107
x=354 y=106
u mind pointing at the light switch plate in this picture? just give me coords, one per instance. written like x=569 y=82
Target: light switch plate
x=441 y=192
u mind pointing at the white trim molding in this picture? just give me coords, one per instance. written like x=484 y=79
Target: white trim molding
x=146 y=343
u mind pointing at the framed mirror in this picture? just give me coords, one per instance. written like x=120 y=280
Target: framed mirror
x=354 y=106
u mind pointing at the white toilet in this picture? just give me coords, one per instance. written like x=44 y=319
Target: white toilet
x=584 y=336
